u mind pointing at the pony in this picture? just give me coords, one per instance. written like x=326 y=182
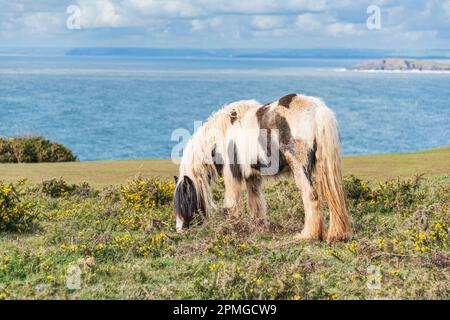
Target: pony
x=248 y=143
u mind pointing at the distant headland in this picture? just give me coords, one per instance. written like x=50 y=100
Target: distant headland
x=404 y=65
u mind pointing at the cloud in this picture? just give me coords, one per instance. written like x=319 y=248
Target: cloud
x=41 y=22
x=446 y=7
x=231 y=23
x=309 y=22
x=267 y=22
x=338 y=29
x=164 y=8
x=99 y=13
x=202 y=24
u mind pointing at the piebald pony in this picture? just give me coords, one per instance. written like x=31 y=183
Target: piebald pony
x=246 y=142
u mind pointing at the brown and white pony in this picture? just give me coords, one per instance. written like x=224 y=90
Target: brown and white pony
x=246 y=142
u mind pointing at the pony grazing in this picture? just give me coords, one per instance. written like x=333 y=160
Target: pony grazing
x=246 y=142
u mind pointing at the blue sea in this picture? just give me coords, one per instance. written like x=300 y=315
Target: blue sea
x=128 y=107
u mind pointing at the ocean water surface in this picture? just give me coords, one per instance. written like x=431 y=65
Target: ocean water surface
x=121 y=108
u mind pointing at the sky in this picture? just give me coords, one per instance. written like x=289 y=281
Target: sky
x=268 y=24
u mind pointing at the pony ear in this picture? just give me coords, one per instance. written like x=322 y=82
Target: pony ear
x=176 y=179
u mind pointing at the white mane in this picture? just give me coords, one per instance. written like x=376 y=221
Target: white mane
x=197 y=161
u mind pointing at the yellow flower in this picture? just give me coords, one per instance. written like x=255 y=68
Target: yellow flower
x=353 y=247
x=394 y=272
x=297 y=297
x=297 y=276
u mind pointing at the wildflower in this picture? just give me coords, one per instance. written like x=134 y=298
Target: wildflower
x=333 y=253
x=353 y=247
x=214 y=267
x=258 y=281
x=297 y=297
x=297 y=276
x=394 y=272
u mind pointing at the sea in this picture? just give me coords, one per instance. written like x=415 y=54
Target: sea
x=129 y=107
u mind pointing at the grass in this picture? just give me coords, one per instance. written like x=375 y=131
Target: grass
x=101 y=174
x=122 y=242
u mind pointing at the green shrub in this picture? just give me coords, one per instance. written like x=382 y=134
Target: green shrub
x=146 y=193
x=15 y=215
x=58 y=188
x=388 y=195
x=31 y=149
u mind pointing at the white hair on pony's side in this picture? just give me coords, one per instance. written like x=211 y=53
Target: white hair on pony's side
x=197 y=161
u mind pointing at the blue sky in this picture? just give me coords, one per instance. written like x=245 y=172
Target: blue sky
x=407 y=24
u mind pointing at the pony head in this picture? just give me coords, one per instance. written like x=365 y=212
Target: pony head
x=187 y=201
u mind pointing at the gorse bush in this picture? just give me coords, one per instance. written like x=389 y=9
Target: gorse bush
x=139 y=200
x=146 y=193
x=388 y=195
x=31 y=149
x=58 y=188
x=15 y=215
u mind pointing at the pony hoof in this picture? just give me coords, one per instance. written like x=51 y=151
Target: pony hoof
x=262 y=225
x=332 y=238
x=307 y=236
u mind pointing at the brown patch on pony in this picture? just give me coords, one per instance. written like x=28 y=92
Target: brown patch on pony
x=235 y=168
x=267 y=121
x=286 y=100
x=261 y=116
x=309 y=166
x=284 y=129
x=218 y=161
x=256 y=202
x=233 y=116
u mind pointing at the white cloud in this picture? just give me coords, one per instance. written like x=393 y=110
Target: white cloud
x=446 y=7
x=276 y=33
x=41 y=22
x=99 y=13
x=205 y=24
x=232 y=23
x=338 y=29
x=164 y=8
x=267 y=22
x=309 y=22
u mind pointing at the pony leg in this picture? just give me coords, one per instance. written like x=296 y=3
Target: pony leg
x=256 y=202
x=313 y=227
x=232 y=194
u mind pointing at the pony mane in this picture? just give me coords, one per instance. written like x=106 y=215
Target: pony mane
x=197 y=162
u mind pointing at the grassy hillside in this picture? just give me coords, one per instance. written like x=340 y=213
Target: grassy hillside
x=100 y=174
x=64 y=241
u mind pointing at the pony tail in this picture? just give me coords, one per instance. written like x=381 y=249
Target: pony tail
x=329 y=174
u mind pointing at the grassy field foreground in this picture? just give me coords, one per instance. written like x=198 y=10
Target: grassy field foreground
x=60 y=240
